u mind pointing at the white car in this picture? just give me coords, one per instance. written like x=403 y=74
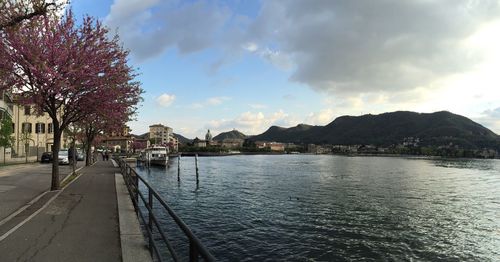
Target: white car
x=63 y=157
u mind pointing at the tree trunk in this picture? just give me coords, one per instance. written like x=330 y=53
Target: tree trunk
x=89 y=136
x=55 y=156
x=88 y=159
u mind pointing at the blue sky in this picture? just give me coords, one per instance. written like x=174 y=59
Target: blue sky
x=247 y=64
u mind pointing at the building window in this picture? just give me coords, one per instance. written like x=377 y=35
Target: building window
x=13 y=128
x=27 y=110
x=40 y=128
x=50 y=128
x=27 y=128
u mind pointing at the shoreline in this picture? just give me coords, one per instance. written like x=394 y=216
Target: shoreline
x=217 y=154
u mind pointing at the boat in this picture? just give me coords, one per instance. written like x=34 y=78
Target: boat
x=155 y=155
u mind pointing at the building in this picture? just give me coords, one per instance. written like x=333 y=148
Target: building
x=163 y=135
x=273 y=146
x=232 y=143
x=208 y=136
x=276 y=147
x=199 y=143
x=160 y=134
x=32 y=130
x=119 y=141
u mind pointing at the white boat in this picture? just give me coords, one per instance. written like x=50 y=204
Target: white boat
x=156 y=155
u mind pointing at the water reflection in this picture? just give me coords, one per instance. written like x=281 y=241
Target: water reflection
x=329 y=208
x=480 y=164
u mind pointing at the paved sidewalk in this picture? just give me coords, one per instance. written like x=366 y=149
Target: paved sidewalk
x=81 y=224
x=20 y=184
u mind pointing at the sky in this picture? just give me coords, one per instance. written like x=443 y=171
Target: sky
x=250 y=64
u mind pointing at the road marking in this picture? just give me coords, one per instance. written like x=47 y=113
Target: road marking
x=12 y=230
x=5 y=220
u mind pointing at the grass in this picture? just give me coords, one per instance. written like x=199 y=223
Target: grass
x=72 y=177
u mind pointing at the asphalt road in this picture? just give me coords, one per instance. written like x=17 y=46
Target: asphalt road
x=19 y=184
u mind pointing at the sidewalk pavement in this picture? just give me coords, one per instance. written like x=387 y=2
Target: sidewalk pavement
x=81 y=224
x=21 y=184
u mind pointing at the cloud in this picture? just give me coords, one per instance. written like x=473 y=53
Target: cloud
x=211 y=101
x=252 y=123
x=493 y=113
x=491 y=119
x=165 y=100
x=391 y=49
x=150 y=27
x=371 y=46
x=323 y=117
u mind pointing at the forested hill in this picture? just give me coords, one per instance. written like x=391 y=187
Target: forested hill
x=439 y=128
x=234 y=134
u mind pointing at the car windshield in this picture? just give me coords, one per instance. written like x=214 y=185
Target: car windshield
x=63 y=153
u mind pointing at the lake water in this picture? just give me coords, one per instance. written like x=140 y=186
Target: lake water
x=336 y=208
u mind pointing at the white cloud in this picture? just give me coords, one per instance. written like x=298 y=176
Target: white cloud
x=351 y=47
x=322 y=117
x=211 y=101
x=165 y=100
x=250 y=46
x=150 y=27
x=252 y=123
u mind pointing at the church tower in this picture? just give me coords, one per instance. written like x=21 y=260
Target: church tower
x=208 y=136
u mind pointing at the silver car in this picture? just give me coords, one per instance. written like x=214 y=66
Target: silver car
x=63 y=157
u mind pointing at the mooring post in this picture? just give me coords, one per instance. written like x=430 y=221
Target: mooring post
x=196 y=163
x=179 y=168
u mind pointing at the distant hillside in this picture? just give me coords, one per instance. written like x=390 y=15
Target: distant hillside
x=182 y=139
x=439 y=128
x=231 y=135
x=297 y=134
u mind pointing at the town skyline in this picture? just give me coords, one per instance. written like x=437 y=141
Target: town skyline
x=248 y=65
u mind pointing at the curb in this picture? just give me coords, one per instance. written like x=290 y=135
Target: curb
x=133 y=245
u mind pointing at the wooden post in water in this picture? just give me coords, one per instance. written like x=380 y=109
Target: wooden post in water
x=197 y=173
x=179 y=168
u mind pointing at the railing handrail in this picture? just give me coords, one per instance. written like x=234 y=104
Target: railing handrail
x=195 y=244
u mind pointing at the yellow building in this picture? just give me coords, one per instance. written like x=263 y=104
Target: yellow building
x=30 y=129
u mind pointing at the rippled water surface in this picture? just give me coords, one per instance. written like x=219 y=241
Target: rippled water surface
x=335 y=208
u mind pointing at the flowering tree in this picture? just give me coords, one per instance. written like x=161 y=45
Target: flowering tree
x=111 y=118
x=68 y=71
x=138 y=145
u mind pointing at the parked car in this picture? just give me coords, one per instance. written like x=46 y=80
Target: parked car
x=63 y=157
x=79 y=155
x=46 y=157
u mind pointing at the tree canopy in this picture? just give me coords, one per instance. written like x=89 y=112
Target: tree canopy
x=73 y=72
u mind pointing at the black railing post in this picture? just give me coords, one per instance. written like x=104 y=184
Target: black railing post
x=193 y=251
x=150 y=218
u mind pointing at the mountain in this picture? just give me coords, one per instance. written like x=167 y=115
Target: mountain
x=298 y=134
x=182 y=139
x=439 y=128
x=231 y=135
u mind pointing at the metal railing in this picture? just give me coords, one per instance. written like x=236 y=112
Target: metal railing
x=132 y=180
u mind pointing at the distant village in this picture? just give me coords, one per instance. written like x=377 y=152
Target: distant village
x=163 y=135
x=32 y=135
